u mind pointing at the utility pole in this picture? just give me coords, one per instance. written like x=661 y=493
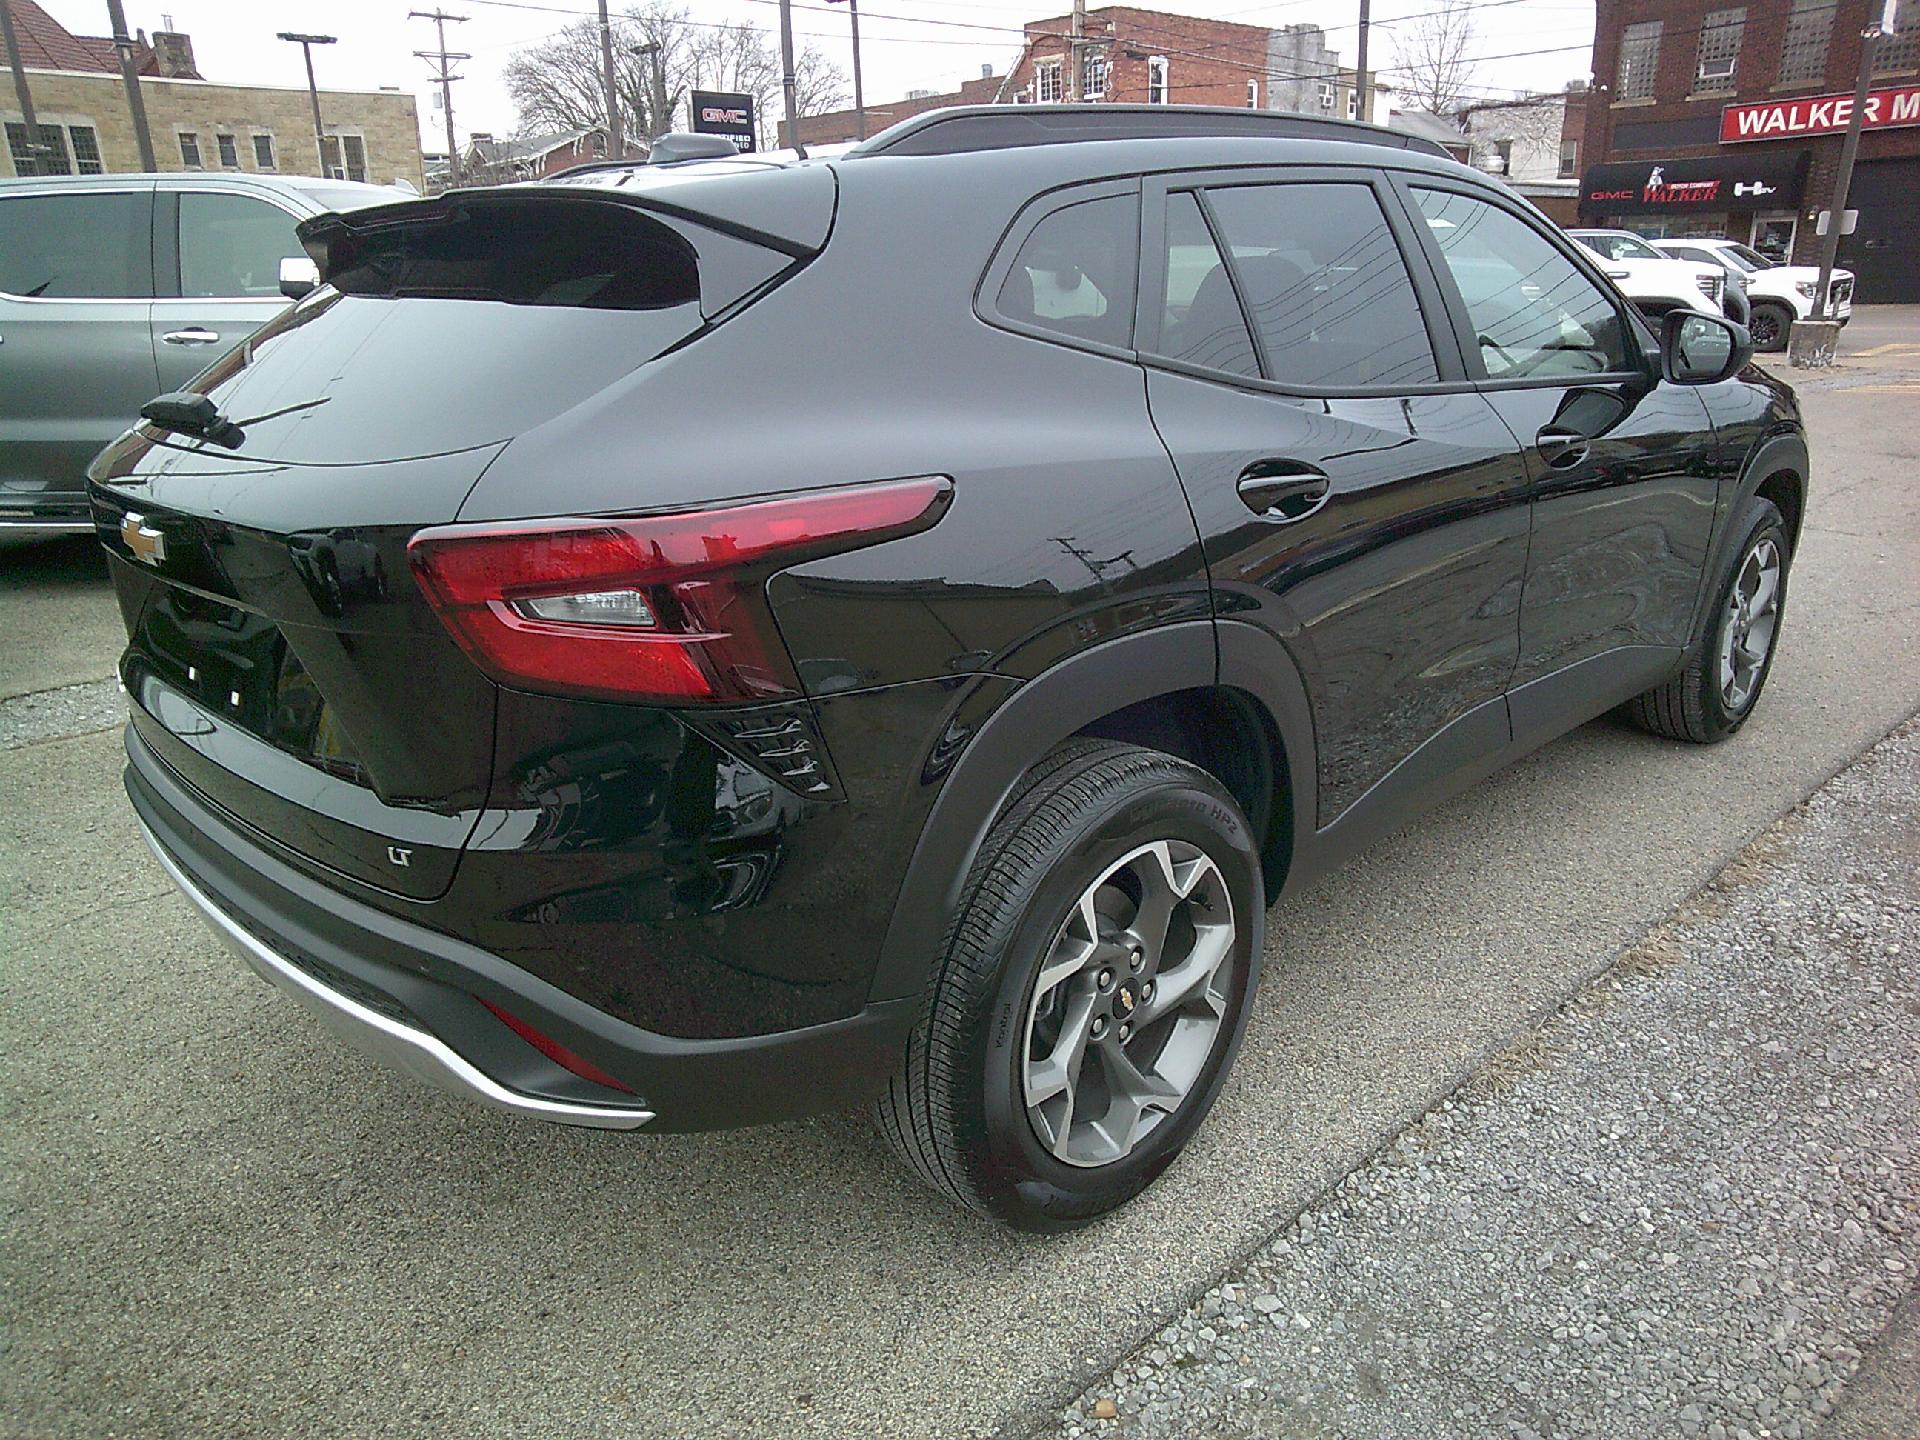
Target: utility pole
x=34 y=147
x=616 y=141
x=787 y=83
x=444 y=58
x=659 y=111
x=1363 y=87
x=1075 y=49
x=306 y=44
x=859 y=99
x=130 y=75
x=1843 y=178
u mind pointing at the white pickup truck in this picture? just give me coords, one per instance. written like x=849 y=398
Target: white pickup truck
x=1780 y=294
x=1656 y=283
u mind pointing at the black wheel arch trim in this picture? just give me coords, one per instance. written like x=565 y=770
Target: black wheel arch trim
x=1782 y=451
x=1052 y=707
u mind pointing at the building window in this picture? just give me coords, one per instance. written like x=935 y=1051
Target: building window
x=1803 y=52
x=1899 y=48
x=1719 y=50
x=1253 y=94
x=86 y=150
x=1046 y=83
x=1157 y=86
x=1503 y=152
x=189 y=149
x=346 y=157
x=52 y=156
x=1569 y=159
x=1327 y=96
x=263 y=152
x=1093 y=76
x=1353 y=105
x=1639 y=59
x=229 y=151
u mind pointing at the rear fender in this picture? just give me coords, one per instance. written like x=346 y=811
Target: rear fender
x=1051 y=708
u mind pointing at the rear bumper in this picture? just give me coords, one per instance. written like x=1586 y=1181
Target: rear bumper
x=417 y=999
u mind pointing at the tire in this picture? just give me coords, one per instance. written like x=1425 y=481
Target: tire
x=1769 y=326
x=1696 y=704
x=957 y=1107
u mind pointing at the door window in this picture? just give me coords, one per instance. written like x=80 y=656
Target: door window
x=76 y=246
x=1075 y=273
x=232 y=245
x=1324 y=284
x=1533 y=312
x=1201 y=322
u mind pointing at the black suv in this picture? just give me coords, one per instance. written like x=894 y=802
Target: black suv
x=693 y=644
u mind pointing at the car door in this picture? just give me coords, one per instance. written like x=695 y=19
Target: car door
x=219 y=269
x=1356 y=498
x=76 y=360
x=1624 y=481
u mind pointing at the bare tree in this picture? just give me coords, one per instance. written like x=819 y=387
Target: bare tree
x=1432 y=56
x=556 y=85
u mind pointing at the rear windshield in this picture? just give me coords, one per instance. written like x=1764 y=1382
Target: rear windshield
x=585 y=257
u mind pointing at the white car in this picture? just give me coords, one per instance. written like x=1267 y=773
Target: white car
x=1780 y=294
x=1654 y=282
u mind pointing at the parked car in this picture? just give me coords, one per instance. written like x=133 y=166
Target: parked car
x=1093 y=523
x=1656 y=283
x=1779 y=294
x=115 y=286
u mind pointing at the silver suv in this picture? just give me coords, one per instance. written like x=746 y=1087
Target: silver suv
x=114 y=288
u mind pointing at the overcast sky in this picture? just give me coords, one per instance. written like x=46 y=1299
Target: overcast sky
x=932 y=45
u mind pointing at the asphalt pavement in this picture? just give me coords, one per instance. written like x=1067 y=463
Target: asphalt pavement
x=214 y=1220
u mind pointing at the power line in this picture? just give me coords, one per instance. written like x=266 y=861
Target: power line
x=446 y=77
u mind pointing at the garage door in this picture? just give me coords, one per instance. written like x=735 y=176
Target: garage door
x=1885 y=251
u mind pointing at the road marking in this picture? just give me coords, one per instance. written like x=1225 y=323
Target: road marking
x=1897 y=345
x=1913 y=389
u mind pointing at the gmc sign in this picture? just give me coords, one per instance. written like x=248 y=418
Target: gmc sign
x=720 y=112
x=1818 y=115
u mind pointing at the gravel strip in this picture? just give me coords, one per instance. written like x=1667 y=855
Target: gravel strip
x=58 y=713
x=1684 y=1206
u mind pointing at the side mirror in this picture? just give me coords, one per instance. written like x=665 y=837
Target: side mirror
x=1697 y=349
x=298 y=276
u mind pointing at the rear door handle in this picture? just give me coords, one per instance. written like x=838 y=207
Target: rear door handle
x=1562 y=448
x=192 y=335
x=1283 y=490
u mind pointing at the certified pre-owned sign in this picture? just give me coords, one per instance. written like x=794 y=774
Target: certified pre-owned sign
x=1818 y=115
x=720 y=112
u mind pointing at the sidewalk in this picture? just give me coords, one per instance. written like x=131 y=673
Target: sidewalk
x=1685 y=1206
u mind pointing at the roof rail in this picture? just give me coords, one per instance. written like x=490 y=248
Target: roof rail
x=965 y=128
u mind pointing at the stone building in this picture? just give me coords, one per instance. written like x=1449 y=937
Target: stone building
x=195 y=123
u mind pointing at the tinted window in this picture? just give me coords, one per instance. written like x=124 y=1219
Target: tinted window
x=232 y=245
x=93 y=247
x=1533 y=312
x=1075 y=273
x=1201 y=322
x=1325 y=285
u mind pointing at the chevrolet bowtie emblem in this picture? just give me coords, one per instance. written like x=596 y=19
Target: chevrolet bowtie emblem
x=147 y=544
x=1126 y=999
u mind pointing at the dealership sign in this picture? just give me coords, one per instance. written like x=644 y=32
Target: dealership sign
x=719 y=112
x=1818 y=115
x=1719 y=182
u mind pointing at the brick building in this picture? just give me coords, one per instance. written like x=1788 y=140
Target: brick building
x=1711 y=118
x=1144 y=57
x=195 y=123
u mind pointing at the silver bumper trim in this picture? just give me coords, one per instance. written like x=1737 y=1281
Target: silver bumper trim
x=396 y=1044
x=28 y=527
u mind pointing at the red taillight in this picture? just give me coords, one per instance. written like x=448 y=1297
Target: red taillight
x=669 y=607
x=555 y=1051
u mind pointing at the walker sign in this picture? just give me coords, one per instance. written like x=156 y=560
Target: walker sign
x=1818 y=115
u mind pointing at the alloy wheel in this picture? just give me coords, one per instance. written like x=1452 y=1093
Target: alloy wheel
x=1751 y=621
x=1130 y=1001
